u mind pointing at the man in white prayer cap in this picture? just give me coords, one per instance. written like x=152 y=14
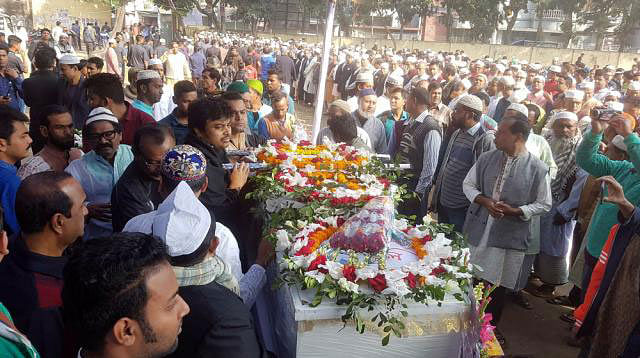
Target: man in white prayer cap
x=219 y=321
x=73 y=94
x=556 y=226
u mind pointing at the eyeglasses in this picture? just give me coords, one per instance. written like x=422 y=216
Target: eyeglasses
x=108 y=135
x=152 y=164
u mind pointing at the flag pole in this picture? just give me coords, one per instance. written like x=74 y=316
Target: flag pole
x=317 y=118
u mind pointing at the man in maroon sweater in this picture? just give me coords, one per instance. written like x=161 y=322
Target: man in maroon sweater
x=149 y=86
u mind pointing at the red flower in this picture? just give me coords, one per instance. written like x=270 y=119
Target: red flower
x=378 y=283
x=304 y=143
x=411 y=280
x=320 y=260
x=438 y=270
x=282 y=156
x=426 y=239
x=349 y=272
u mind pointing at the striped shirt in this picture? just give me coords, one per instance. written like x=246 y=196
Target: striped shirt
x=461 y=159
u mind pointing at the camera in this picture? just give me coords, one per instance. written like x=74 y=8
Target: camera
x=603 y=114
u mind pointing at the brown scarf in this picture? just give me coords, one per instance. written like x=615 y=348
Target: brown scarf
x=620 y=310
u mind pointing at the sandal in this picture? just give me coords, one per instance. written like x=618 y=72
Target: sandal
x=522 y=301
x=568 y=317
x=560 y=300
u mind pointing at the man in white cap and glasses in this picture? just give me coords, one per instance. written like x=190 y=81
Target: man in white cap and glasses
x=363 y=79
x=149 y=87
x=537 y=94
x=99 y=170
x=366 y=119
x=63 y=47
x=219 y=321
x=557 y=225
x=465 y=146
x=71 y=90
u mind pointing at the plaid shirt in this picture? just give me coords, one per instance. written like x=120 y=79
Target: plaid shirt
x=442 y=114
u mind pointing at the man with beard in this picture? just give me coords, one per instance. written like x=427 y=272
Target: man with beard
x=51 y=212
x=165 y=105
x=64 y=47
x=420 y=139
x=184 y=93
x=557 y=225
x=58 y=152
x=138 y=189
x=274 y=85
x=149 y=87
x=365 y=118
x=99 y=170
x=142 y=286
x=337 y=132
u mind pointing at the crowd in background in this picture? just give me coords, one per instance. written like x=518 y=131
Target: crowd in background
x=128 y=231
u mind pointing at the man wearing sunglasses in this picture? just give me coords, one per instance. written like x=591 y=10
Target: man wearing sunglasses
x=138 y=190
x=99 y=170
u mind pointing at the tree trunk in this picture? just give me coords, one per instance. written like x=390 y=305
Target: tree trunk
x=599 y=40
x=539 y=12
x=449 y=23
x=401 y=30
x=222 y=16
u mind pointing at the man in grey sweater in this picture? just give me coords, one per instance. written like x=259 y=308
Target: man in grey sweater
x=506 y=187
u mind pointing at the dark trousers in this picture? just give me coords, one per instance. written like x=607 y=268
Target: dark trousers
x=89 y=48
x=589 y=264
x=452 y=216
x=77 y=44
x=496 y=305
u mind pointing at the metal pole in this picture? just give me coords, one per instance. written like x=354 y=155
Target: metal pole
x=317 y=118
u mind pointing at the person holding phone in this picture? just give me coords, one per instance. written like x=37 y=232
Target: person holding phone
x=625 y=172
x=10 y=82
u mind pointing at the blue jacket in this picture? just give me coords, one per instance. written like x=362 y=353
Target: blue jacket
x=9 y=183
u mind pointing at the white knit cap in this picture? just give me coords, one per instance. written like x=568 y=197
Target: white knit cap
x=518 y=96
x=147 y=75
x=100 y=114
x=618 y=141
x=555 y=68
x=565 y=115
x=69 y=60
x=520 y=108
x=574 y=95
x=472 y=102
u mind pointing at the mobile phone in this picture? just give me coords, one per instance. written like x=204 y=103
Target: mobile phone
x=602 y=187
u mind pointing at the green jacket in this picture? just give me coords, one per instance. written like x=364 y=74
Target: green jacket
x=625 y=172
x=13 y=344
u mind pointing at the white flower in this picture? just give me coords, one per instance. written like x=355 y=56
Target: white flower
x=452 y=287
x=282 y=242
x=366 y=273
x=300 y=261
x=317 y=275
x=401 y=224
x=348 y=285
x=300 y=244
x=272 y=151
x=334 y=268
x=368 y=178
x=332 y=221
x=399 y=288
x=301 y=223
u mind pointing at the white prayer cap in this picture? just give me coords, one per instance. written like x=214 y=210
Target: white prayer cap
x=100 y=114
x=464 y=71
x=565 y=115
x=384 y=65
x=508 y=81
x=181 y=221
x=394 y=81
x=515 y=67
x=520 y=108
x=479 y=63
x=364 y=77
x=518 y=96
x=500 y=67
x=69 y=60
x=618 y=141
x=63 y=35
x=555 y=68
x=616 y=106
x=155 y=61
x=147 y=75
x=112 y=40
x=634 y=86
x=587 y=85
x=411 y=59
x=615 y=94
x=574 y=95
x=524 y=62
x=609 y=68
x=536 y=66
x=472 y=102
x=539 y=78
x=466 y=83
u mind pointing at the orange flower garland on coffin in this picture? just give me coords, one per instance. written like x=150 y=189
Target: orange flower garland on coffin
x=418 y=247
x=315 y=239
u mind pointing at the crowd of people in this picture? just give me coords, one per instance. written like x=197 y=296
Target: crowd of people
x=126 y=235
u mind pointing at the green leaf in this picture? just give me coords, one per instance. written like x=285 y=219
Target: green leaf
x=385 y=340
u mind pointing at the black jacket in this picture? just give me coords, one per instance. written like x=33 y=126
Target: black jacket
x=40 y=90
x=287 y=69
x=218 y=197
x=219 y=325
x=134 y=194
